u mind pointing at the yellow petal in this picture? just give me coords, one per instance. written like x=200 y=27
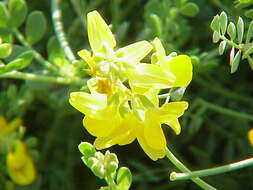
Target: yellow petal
x=153 y=132
x=87 y=103
x=175 y=125
x=159 y=47
x=98 y=31
x=172 y=110
x=134 y=53
x=154 y=154
x=86 y=56
x=250 y=136
x=100 y=128
x=181 y=67
x=24 y=175
x=150 y=76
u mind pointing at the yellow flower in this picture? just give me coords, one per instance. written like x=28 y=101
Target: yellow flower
x=250 y=136
x=164 y=72
x=103 y=58
x=20 y=165
x=123 y=102
x=110 y=128
x=6 y=128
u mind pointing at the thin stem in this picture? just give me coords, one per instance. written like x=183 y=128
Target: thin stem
x=58 y=26
x=225 y=111
x=42 y=78
x=223 y=91
x=231 y=43
x=111 y=182
x=36 y=55
x=163 y=96
x=183 y=168
x=212 y=171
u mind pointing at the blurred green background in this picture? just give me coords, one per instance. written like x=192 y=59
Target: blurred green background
x=211 y=135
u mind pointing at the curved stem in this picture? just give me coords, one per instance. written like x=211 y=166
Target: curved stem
x=212 y=171
x=58 y=26
x=183 y=168
x=36 y=55
x=225 y=111
x=42 y=78
x=225 y=92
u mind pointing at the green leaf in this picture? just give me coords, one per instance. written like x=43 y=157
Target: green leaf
x=231 y=31
x=124 y=178
x=3 y=15
x=87 y=149
x=249 y=13
x=18 y=11
x=5 y=50
x=215 y=24
x=20 y=62
x=189 y=10
x=157 y=24
x=216 y=37
x=35 y=27
x=235 y=62
x=222 y=47
x=250 y=63
x=248 y=52
x=223 y=22
x=54 y=50
x=250 y=32
x=240 y=29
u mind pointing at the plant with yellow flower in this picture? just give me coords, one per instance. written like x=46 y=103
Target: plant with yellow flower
x=123 y=103
x=19 y=164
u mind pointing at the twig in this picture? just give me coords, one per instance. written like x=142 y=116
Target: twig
x=212 y=171
x=58 y=26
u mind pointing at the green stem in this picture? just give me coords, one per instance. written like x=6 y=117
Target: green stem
x=36 y=55
x=212 y=171
x=225 y=111
x=58 y=26
x=183 y=168
x=42 y=78
x=111 y=182
x=163 y=96
x=231 y=43
x=223 y=91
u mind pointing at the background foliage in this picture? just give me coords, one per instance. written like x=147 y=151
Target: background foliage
x=214 y=128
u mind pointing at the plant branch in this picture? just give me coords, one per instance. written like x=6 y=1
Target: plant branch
x=36 y=55
x=225 y=111
x=58 y=26
x=212 y=171
x=183 y=168
x=42 y=78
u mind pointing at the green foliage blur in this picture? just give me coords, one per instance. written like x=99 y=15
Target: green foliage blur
x=214 y=128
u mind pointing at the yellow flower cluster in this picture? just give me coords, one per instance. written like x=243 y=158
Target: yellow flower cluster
x=20 y=165
x=123 y=102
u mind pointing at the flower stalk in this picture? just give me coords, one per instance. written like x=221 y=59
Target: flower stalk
x=212 y=171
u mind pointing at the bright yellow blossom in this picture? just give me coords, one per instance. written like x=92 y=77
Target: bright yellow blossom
x=164 y=72
x=103 y=61
x=123 y=102
x=105 y=123
x=250 y=136
x=20 y=165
